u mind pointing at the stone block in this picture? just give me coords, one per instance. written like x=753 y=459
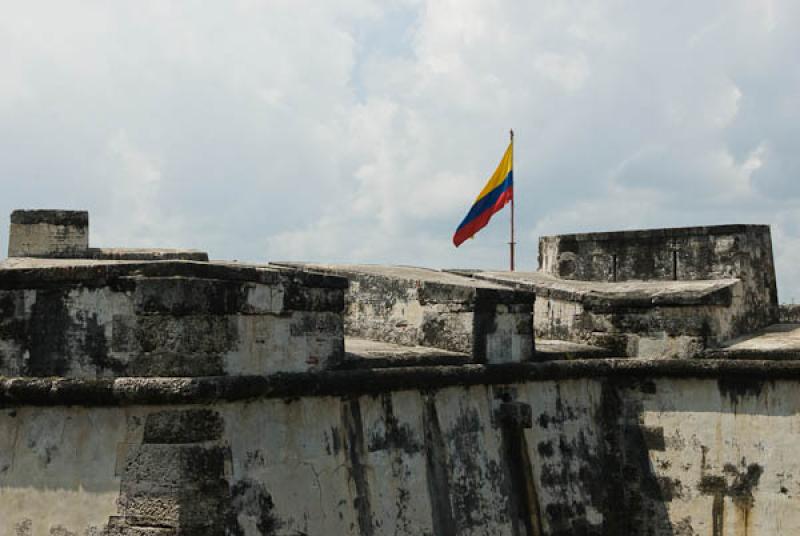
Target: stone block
x=159 y=467
x=421 y=307
x=48 y=233
x=183 y=426
x=169 y=318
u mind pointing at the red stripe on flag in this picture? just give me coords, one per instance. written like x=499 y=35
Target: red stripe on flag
x=480 y=221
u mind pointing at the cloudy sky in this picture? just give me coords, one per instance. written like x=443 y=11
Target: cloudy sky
x=362 y=131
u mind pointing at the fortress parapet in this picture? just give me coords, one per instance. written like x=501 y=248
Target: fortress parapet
x=64 y=234
x=152 y=392
x=657 y=293
x=742 y=252
x=48 y=233
x=100 y=313
x=421 y=307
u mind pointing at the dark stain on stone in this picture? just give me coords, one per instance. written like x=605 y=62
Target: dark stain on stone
x=564 y=448
x=653 y=437
x=189 y=295
x=633 y=498
x=684 y=527
x=738 y=388
x=402 y=523
x=393 y=435
x=335 y=440
x=8 y=304
x=59 y=530
x=47 y=334
x=734 y=483
x=472 y=470
x=648 y=387
x=468 y=506
x=250 y=499
x=196 y=334
x=718 y=515
x=354 y=447
x=23 y=528
x=254 y=458
x=545 y=449
x=308 y=324
x=574 y=463
x=560 y=514
x=744 y=482
x=431 y=330
x=437 y=470
x=543 y=421
x=711 y=484
x=67 y=218
x=96 y=347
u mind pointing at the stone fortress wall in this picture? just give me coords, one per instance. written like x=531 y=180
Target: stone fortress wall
x=152 y=392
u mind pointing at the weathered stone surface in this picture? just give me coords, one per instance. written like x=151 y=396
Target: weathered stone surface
x=183 y=426
x=655 y=319
x=421 y=307
x=610 y=296
x=44 y=392
x=170 y=318
x=789 y=314
x=779 y=341
x=741 y=252
x=266 y=430
x=147 y=254
x=613 y=447
x=48 y=233
x=549 y=349
x=65 y=234
x=365 y=353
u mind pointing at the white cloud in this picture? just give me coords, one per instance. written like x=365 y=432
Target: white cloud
x=362 y=130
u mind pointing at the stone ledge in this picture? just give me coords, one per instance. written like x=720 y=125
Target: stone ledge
x=146 y=254
x=668 y=232
x=432 y=285
x=42 y=273
x=414 y=306
x=601 y=296
x=16 y=392
x=74 y=218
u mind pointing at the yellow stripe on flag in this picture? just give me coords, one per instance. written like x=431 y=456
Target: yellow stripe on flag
x=500 y=173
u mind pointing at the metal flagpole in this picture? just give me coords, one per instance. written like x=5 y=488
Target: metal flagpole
x=512 y=243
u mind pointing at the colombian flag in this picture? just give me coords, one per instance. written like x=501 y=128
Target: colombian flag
x=494 y=196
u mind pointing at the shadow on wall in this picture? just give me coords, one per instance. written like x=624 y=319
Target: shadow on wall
x=661 y=457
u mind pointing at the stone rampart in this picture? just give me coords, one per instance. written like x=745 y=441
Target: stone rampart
x=171 y=318
x=153 y=393
x=741 y=252
x=653 y=319
x=605 y=447
x=418 y=306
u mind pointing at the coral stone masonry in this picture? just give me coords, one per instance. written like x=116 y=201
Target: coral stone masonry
x=89 y=319
x=419 y=306
x=637 y=383
x=48 y=233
